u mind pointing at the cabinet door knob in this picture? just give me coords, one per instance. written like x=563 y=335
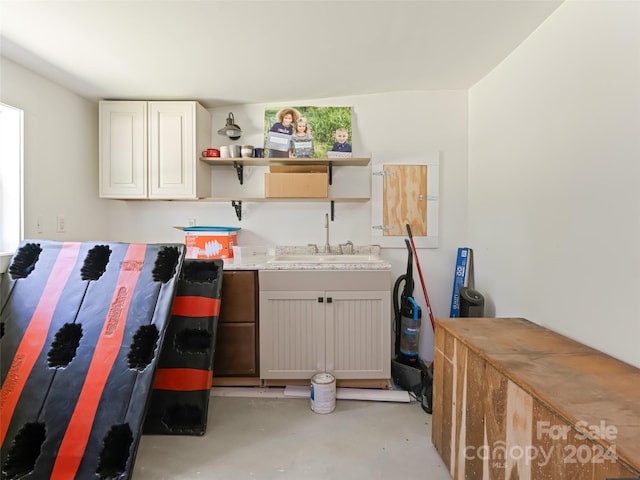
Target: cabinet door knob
x=329 y=300
x=320 y=299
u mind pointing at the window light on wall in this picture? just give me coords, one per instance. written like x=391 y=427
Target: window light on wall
x=11 y=179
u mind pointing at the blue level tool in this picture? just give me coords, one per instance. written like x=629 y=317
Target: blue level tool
x=459 y=279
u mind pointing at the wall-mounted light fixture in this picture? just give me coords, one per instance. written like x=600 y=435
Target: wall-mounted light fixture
x=231 y=130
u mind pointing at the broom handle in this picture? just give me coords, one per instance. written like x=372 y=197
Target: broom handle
x=424 y=288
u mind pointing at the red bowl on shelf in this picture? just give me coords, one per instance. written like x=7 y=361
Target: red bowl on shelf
x=211 y=152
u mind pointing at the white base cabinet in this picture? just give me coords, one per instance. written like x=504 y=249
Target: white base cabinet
x=333 y=321
x=152 y=150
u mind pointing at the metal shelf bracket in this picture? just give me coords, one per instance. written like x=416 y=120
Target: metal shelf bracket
x=239 y=171
x=238 y=206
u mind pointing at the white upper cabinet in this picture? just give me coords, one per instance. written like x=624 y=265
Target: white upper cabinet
x=151 y=150
x=123 y=149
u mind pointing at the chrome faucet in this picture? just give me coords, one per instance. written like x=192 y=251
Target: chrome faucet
x=349 y=244
x=327 y=245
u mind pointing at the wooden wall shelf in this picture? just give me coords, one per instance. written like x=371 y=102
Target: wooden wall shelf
x=354 y=161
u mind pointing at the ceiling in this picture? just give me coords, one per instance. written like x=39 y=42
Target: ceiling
x=224 y=52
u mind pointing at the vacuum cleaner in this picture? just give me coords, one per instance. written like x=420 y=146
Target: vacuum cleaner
x=408 y=316
x=407 y=370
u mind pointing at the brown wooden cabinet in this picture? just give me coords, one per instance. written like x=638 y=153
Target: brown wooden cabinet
x=237 y=334
x=512 y=399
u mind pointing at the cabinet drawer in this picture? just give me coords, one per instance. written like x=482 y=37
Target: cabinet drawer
x=235 y=350
x=239 y=292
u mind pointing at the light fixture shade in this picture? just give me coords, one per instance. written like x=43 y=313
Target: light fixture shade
x=231 y=130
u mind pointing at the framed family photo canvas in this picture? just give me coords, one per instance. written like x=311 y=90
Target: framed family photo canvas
x=307 y=132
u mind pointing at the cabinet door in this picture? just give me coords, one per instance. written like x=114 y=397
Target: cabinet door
x=236 y=340
x=358 y=334
x=235 y=350
x=123 y=149
x=239 y=296
x=172 y=150
x=292 y=334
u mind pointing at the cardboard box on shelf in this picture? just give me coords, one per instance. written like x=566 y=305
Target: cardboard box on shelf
x=296 y=185
x=298 y=169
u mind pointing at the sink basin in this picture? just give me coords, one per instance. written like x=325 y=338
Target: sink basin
x=320 y=258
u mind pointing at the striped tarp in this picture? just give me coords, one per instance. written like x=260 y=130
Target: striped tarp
x=180 y=398
x=81 y=328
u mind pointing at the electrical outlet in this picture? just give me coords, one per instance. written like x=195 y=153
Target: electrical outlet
x=191 y=222
x=60 y=226
x=39 y=228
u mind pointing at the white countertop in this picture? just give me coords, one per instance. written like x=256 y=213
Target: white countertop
x=261 y=262
x=259 y=258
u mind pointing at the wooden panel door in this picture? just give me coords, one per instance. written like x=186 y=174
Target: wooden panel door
x=405 y=199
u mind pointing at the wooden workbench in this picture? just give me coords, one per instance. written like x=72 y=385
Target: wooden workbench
x=513 y=400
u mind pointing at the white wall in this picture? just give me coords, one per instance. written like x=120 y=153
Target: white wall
x=554 y=205
x=61 y=177
x=401 y=125
x=60 y=156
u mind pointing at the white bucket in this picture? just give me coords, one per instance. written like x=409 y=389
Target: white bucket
x=323 y=393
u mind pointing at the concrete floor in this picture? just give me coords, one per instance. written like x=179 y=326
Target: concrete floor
x=282 y=438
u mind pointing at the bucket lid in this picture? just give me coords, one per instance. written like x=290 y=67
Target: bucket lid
x=321 y=378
